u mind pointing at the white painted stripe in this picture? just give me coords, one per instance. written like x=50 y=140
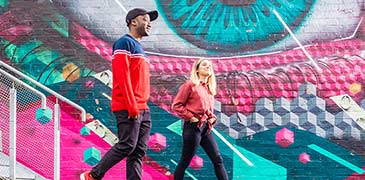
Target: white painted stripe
x=107 y=96
x=121 y=6
x=353 y=34
x=234 y=149
x=295 y=38
x=187 y=172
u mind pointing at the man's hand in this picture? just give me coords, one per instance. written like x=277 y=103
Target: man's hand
x=132 y=118
x=133 y=113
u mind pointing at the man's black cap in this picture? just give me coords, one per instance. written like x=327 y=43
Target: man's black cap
x=139 y=11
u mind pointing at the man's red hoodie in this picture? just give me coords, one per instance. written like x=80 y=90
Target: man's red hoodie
x=131 y=76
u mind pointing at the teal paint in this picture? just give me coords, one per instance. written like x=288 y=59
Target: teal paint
x=263 y=169
x=164 y=16
x=231 y=146
x=187 y=172
x=59 y=23
x=218 y=26
x=4 y=3
x=263 y=144
x=39 y=62
x=176 y=127
x=336 y=158
x=16 y=54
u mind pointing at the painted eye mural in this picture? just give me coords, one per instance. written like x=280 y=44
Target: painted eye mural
x=272 y=104
x=232 y=25
x=223 y=27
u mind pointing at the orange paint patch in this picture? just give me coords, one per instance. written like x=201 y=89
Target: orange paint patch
x=71 y=72
x=355 y=88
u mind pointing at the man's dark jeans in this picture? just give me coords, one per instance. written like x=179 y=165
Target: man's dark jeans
x=192 y=137
x=133 y=138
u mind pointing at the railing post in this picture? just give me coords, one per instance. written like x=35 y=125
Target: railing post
x=83 y=112
x=12 y=129
x=1 y=142
x=57 y=140
x=56 y=113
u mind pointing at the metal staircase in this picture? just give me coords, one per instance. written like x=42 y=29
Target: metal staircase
x=17 y=100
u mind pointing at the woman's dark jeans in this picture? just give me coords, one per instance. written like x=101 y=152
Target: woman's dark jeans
x=192 y=138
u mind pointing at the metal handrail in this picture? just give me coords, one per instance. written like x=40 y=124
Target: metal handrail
x=43 y=97
x=13 y=117
x=12 y=130
x=62 y=98
x=56 y=114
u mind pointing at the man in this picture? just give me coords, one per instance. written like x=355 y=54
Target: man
x=130 y=93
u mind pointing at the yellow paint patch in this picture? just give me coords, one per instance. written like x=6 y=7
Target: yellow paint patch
x=71 y=72
x=355 y=88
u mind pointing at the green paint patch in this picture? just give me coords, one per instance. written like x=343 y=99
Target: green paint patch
x=176 y=127
x=59 y=23
x=39 y=62
x=4 y=3
x=263 y=169
x=263 y=144
x=336 y=158
x=17 y=54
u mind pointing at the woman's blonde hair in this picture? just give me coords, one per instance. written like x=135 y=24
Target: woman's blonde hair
x=194 y=77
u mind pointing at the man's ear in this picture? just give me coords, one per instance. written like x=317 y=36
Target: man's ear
x=134 y=22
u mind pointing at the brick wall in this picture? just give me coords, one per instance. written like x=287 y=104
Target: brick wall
x=294 y=109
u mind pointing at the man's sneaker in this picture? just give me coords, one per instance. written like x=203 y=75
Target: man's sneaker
x=86 y=176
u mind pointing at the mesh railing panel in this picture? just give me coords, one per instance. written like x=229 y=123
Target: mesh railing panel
x=34 y=139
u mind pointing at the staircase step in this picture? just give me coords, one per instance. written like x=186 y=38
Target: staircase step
x=22 y=172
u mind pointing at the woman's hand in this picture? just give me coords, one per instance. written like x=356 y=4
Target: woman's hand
x=194 y=119
x=212 y=120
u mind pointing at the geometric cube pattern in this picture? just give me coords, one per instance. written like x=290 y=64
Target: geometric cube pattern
x=92 y=156
x=157 y=142
x=305 y=112
x=304 y=158
x=85 y=131
x=196 y=162
x=284 y=137
x=307 y=90
x=44 y=115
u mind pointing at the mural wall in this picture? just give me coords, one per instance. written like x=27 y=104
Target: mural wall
x=290 y=102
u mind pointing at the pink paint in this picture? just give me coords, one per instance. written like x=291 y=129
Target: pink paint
x=91 y=42
x=13 y=26
x=196 y=162
x=89 y=84
x=35 y=146
x=283 y=83
x=304 y=158
x=157 y=142
x=357 y=176
x=73 y=165
x=331 y=79
x=284 y=137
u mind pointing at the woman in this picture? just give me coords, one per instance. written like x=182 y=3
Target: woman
x=194 y=103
